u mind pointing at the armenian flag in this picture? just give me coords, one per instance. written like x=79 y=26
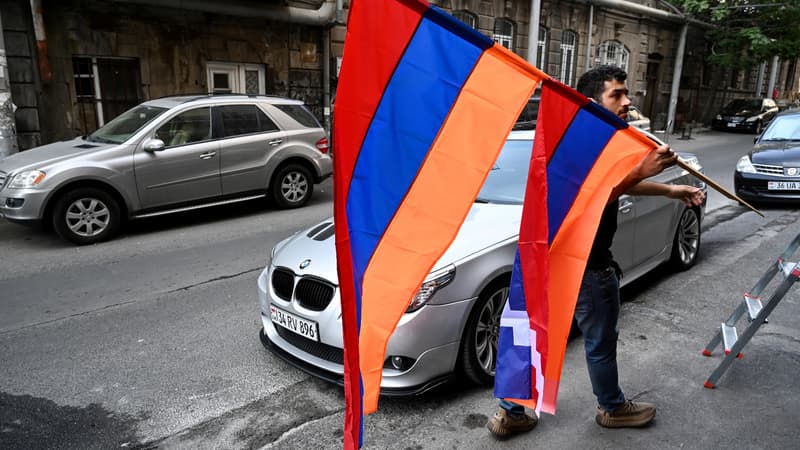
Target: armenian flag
x=424 y=104
x=587 y=151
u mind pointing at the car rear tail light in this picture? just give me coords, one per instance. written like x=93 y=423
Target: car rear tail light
x=322 y=145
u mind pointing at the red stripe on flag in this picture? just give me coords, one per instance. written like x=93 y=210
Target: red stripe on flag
x=364 y=75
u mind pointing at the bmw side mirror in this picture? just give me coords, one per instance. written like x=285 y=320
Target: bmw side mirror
x=153 y=145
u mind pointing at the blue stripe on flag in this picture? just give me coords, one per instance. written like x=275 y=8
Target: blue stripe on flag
x=571 y=162
x=414 y=106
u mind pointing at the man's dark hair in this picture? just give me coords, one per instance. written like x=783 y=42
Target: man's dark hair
x=592 y=83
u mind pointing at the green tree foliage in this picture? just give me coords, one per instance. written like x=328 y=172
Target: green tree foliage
x=748 y=32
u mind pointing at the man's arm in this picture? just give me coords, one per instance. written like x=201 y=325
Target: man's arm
x=690 y=195
x=654 y=163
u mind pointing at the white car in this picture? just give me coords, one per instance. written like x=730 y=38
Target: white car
x=452 y=324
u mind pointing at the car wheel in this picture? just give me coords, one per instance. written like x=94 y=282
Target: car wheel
x=686 y=243
x=291 y=186
x=86 y=216
x=479 y=346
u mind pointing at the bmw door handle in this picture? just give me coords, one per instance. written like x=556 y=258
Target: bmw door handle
x=207 y=155
x=625 y=206
x=275 y=142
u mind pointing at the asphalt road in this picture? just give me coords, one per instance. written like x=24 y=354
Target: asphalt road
x=150 y=341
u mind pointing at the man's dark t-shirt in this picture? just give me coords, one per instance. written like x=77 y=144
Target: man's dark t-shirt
x=600 y=256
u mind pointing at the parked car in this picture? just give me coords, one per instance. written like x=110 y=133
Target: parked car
x=452 y=324
x=770 y=172
x=637 y=119
x=167 y=155
x=748 y=114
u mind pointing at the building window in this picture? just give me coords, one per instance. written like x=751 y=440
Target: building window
x=467 y=17
x=504 y=33
x=569 y=42
x=541 y=49
x=104 y=89
x=613 y=53
x=233 y=78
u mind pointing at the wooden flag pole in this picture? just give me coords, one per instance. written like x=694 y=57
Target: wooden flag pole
x=682 y=164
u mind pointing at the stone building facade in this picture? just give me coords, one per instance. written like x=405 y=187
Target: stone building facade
x=103 y=56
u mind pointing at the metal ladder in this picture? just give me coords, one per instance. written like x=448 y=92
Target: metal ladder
x=757 y=312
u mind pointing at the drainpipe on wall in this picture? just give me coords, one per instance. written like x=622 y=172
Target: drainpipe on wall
x=773 y=72
x=8 y=130
x=676 y=81
x=589 y=38
x=533 y=32
x=326 y=79
x=762 y=68
x=41 y=41
x=326 y=66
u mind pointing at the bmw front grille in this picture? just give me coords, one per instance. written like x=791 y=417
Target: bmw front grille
x=309 y=292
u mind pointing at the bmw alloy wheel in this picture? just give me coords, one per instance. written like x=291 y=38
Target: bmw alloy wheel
x=488 y=330
x=687 y=240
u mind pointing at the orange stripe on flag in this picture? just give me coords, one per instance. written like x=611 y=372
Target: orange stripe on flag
x=429 y=218
x=569 y=252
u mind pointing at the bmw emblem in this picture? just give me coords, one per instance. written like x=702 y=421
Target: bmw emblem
x=305 y=264
x=792 y=171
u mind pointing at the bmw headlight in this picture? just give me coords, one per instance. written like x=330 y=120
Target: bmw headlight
x=277 y=247
x=435 y=281
x=744 y=165
x=27 y=179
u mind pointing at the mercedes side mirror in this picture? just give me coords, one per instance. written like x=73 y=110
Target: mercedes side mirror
x=153 y=145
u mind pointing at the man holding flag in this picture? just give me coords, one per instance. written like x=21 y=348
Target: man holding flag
x=598 y=301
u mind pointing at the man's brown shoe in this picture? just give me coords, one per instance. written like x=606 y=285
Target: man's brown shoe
x=629 y=414
x=503 y=424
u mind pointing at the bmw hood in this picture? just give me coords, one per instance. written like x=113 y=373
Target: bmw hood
x=777 y=153
x=313 y=252
x=50 y=154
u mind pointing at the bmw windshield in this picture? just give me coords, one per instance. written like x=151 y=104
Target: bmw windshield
x=125 y=125
x=507 y=179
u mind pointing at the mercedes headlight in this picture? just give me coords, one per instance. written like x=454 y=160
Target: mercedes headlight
x=752 y=119
x=435 y=281
x=27 y=179
x=744 y=165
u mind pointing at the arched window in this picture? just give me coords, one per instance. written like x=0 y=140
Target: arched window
x=466 y=17
x=541 y=49
x=504 y=33
x=569 y=42
x=613 y=53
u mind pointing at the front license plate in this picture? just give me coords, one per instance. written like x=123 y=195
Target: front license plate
x=731 y=125
x=783 y=185
x=293 y=323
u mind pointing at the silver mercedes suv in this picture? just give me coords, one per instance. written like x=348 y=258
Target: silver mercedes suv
x=168 y=155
